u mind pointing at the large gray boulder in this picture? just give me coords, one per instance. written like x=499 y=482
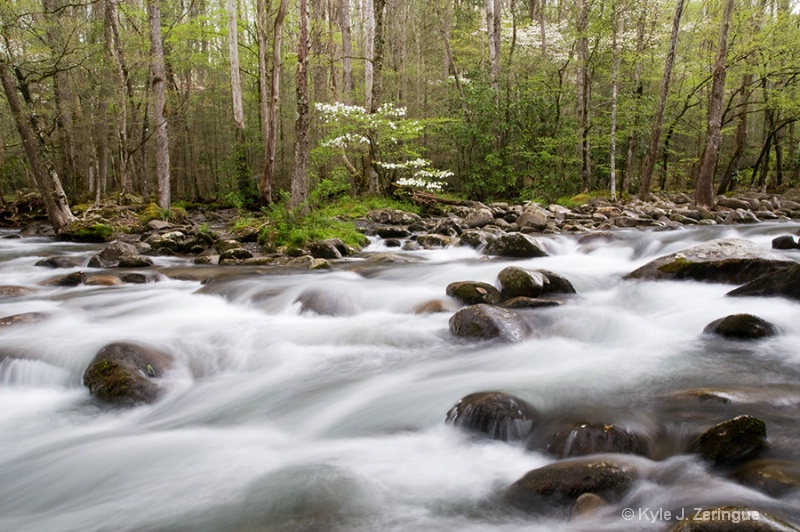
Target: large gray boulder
x=515 y=245
x=726 y=260
x=126 y=374
x=521 y=282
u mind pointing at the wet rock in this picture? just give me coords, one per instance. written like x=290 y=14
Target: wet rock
x=126 y=374
x=731 y=440
x=521 y=282
x=727 y=260
x=115 y=250
x=434 y=306
x=479 y=218
x=393 y=258
x=776 y=478
x=594 y=438
x=433 y=241
x=484 y=322
x=24 y=318
x=15 y=291
x=529 y=302
x=782 y=283
x=308 y=262
x=557 y=284
x=158 y=242
x=134 y=261
x=447 y=227
x=474 y=238
x=741 y=326
x=224 y=245
x=325 y=303
x=514 y=245
x=235 y=254
x=498 y=415
x=392 y=232
x=102 y=280
x=784 y=242
x=323 y=249
x=730 y=518
x=534 y=217
x=73 y=279
x=588 y=505
x=59 y=262
x=134 y=278
x=473 y=292
x=562 y=483
x=732 y=203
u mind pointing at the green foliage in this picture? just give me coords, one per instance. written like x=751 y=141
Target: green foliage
x=154 y=212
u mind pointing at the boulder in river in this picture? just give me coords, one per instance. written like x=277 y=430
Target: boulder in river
x=784 y=242
x=562 y=483
x=514 y=245
x=325 y=302
x=730 y=518
x=72 y=279
x=594 y=438
x=726 y=260
x=498 y=415
x=473 y=292
x=741 y=326
x=59 y=262
x=774 y=477
x=781 y=283
x=521 y=282
x=485 y=322
x=731 y=440
x=126 y=374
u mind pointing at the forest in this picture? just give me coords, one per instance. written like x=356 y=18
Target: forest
x=259 y=101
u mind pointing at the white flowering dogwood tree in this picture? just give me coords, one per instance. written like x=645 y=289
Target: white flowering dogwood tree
x=378 y=148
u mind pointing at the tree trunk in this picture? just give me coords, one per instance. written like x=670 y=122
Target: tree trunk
x=704 y=189
x=318 y=70
x=158 y=84
x=740 y=137
x=300 y=177
x=239 y=148
x=612 y=177
x=655 y=139
x=334 y=85
x=633 y=135
x=542 y=30
x=582 y=89
x=347 y=51
x=44 y=173
x=114 y=57
x=265 y=187
x=263 y=76
x=369 y=51
x=377 y=56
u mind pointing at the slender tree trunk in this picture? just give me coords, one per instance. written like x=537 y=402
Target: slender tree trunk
x=268 y=176
x=114 y=57
x=300 y=177
x=377 y=56
x=318 y=70
x=41 y=165
x=263 y=75
x=494 y=47
x=633 y=135
x=334 y=85
x=369 y=51
x=240 y=147
x=347 y=51
x=655 y=139
x=704 y=189
x=543 y=30
x=158 y=84
x=740 y=137
x=612 y=178
x=582 y=89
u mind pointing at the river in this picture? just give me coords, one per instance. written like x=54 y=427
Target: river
x=286 y=421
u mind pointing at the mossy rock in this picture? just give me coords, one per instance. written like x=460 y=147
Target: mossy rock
x=731 y=440
x=727 y=260
x=87 y=232
x=498 y=415
x=515 y=245
x=741 y=326
x=782 y=283
x=521 y=282
x=776 y=478
x=126 y=374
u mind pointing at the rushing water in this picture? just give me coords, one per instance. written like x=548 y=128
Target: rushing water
x=281 y=420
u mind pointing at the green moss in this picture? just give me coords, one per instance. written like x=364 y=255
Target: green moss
x=677 y=265
x=82 y=232
x=154 y=212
